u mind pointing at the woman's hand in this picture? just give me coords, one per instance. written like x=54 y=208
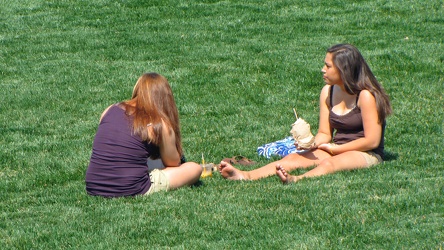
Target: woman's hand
x=312 y=146
x=327 y=147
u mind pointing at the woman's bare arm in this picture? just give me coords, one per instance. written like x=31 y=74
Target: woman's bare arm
x=324 y=131
x=168 y=151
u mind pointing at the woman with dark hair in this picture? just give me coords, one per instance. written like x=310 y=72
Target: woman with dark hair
x=130 y=132
x=353 y=109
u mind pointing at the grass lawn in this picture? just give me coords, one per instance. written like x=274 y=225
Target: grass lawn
x=237 y=69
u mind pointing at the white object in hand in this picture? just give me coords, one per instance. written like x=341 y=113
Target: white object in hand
x=301 y=133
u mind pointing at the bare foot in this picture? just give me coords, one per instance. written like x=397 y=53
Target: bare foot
x=229 y=172
x=284 y=176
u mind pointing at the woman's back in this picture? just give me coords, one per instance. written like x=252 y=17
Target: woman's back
x=118 y=161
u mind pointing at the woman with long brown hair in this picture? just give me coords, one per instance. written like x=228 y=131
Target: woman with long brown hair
x=131 y=132
x=353 y=109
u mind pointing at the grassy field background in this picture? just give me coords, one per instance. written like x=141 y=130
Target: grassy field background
x=237 y=69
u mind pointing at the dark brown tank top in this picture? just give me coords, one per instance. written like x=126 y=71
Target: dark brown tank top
x=349 y=127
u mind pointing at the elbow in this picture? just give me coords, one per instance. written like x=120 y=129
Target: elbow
x=171 y=161
x=170 y=157
x=374 y=144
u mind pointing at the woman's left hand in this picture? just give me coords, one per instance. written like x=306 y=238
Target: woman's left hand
x=327 y=147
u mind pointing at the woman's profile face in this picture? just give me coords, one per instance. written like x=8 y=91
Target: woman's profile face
x=331 y=74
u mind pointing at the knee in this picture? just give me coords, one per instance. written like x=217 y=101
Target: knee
x=198 y=168
x=327 y=164
x=194 y=168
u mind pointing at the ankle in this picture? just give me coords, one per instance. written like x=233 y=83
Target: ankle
x=245 y=175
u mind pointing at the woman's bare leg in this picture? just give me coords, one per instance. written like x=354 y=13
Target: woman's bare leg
x=289 y=162
x=284 y=176
x=345 y=161
x=186 y=174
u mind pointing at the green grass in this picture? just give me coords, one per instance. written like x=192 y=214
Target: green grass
x=237 y=69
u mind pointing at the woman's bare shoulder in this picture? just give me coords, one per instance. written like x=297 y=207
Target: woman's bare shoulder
x=105 y=111
x=365 y=96
x=325 y=90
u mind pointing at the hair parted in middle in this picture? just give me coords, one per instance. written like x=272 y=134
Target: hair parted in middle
x=357 y=76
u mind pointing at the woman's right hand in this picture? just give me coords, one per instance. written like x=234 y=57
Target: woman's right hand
x=312 y=146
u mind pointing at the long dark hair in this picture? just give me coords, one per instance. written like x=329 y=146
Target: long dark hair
x=357 y=75
x=153 y=102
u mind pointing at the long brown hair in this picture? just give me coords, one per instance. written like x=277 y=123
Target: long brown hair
x=151 y=103
x=357 y=75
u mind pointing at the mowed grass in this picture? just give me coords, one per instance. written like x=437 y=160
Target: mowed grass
x=237 y=69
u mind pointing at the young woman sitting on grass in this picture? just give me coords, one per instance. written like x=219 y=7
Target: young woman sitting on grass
x=353 y=108
x=130 y=132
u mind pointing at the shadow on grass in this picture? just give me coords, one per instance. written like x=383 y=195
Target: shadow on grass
x=199 y=183
x=390 y=156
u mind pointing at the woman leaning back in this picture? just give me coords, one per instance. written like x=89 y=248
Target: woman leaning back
x=130 y=132
x=353 y=108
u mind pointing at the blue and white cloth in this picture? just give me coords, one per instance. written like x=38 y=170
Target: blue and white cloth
x=279 y=148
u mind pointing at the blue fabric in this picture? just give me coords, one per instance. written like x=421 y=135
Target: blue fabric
x=279 y=148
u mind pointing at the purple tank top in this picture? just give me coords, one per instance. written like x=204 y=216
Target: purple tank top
x=349 y=127
x=118 y=164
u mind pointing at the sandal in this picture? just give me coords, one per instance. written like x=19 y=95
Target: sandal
x=241 y=160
